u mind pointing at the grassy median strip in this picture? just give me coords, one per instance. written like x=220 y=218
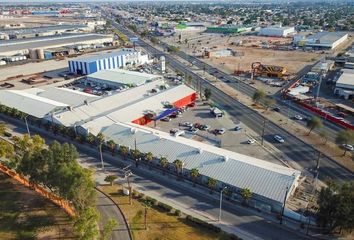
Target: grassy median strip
x=163 y=222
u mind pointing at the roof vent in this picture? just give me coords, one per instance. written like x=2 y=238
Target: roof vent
x=133 y=130
x=199 y=150
x=86 y=102
x=225 y=158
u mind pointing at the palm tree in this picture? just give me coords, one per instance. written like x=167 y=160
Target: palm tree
x=149 y=157
x=123 y=150
x=164 y=163
x=345 y=137
x=324 y=136
x=246 y=194
x=211 y=184
x=112 y=146
x=90 y=138
x=313 y=123
x=258 y=95
x=100 y=138
x=178 y=166
x=194 y=173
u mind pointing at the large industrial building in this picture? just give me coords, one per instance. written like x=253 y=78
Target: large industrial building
x=228 y=29
x=321 y=40
x=23 y=46
x=43 y=31
x=115 y=78
x=121 y=116
x=115 y=59
x=277 y=31
x=345 y=84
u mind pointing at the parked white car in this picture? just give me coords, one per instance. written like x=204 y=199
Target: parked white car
x=278 y=138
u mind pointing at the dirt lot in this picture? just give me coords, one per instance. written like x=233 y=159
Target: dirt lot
x=292 y=60
x=26 y=215
x=37 y=21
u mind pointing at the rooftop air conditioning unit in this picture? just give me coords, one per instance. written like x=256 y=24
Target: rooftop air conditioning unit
x=133 y=130
x=225 y=158
x=199 y=150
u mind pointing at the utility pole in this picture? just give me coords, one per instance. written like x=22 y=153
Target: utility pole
x=221 y=192
x=101 y=156
x=28 y=131
x=263 y=129
x=283 y=208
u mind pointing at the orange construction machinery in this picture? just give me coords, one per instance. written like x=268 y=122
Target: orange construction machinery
x=258 y=69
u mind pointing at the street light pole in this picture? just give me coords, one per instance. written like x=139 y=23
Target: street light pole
x=28 y=131
x=283 y=208
x=221 y=192
x=101 y=156
x=263 y=129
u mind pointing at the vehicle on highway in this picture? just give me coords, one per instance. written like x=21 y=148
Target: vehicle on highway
x=298 y=117
x=348 y=147
x=276 y=109
x=278 y=138
x=166 y=119
x=220 y=131
x=237 y=128
x=251 y=141
x=186 y=124
x=197 y=125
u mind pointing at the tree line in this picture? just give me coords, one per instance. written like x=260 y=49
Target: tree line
x=55 y=167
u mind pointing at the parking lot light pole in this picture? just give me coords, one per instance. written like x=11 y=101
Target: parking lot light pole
x=221 y=192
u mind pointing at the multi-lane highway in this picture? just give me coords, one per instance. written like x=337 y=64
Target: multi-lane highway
x=300 y=152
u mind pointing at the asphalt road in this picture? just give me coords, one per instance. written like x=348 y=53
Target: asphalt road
x=109 y=210
x=300 y=152
x=248 y=223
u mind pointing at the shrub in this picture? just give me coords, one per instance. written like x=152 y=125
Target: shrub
x=152 y=201
x=178 y=212
x=164 y=207
x=203 y=224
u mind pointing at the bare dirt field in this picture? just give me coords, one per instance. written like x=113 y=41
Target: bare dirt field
x=294 y=61
x=37 y=21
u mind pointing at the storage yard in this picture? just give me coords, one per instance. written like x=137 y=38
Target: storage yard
x=294 y=61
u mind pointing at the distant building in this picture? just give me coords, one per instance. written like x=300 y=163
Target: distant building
x=105 y=61
x=228 y=29
x=277 y=31
x=321 y=40
x=114 y=78
x=345 y=85
x=23 y=46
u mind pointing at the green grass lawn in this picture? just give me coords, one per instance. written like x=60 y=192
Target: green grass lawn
x=26 y=215
x=161 y=226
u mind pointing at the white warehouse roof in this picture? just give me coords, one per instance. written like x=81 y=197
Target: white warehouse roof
x=92 y=58
x=64 y=95
x=120 y=76
x=105 y=105
x=153 y=103
x=263 y=178
x=29 y=103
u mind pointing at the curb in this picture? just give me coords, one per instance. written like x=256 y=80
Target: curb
x=125 y=220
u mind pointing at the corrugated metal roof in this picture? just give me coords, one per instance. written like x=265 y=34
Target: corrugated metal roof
x=68 y=96
x=105 y=105
x=42 y=42
x=29 y=103
x=123 y=76
x=104 y=55
x=263 y=178
x=41 y=29
x=328 y=37
x=152 y=103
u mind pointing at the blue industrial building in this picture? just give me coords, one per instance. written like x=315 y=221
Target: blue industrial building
x=116 y=59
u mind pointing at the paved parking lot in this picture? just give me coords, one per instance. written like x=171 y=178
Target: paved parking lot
x=232 y=140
